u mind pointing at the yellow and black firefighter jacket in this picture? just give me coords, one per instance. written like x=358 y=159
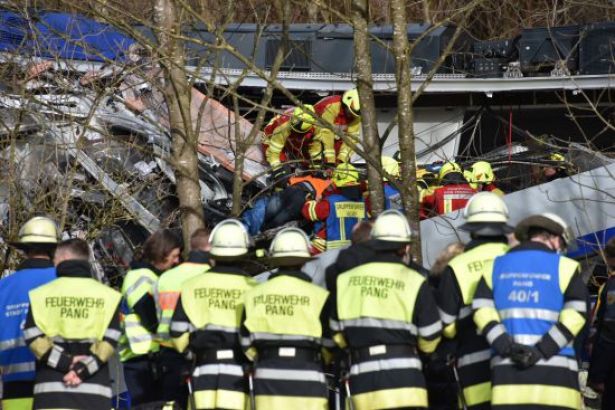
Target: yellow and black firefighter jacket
x=455 y=294
x=284 y=329
x=384 y=314
x=73 y=315
x=533 y=297
x=206 y=321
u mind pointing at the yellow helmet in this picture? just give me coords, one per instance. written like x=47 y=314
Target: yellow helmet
x=38 y=230
x=449 y=168
x=290 y=246
x=351 y=100
x=557 y=157
x=229 y=239
x=482 y=173
x=392 y=226
x=469 y=176
x=390 y=166
x=345 y=175
x=302 y=119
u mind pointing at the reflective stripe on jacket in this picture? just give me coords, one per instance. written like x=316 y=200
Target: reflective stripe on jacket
x=343 y=216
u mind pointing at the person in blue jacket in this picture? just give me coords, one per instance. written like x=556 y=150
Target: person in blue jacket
x=38 y=238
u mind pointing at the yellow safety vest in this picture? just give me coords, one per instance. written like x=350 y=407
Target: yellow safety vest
x=136 y=340
x=74 y=308
x=214 y=301
x=472 y=265
x=285 y=305
x=380 y=290
x=167 y=292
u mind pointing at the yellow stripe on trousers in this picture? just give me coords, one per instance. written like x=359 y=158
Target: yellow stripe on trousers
x=391 y=398
x=520 y=394
x=227 y=399
x=23 y=403
x=477 y=394
x=291 y=402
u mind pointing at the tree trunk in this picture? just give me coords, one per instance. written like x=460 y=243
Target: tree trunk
x=405 y=129
x=177 y=92
x=363 y=66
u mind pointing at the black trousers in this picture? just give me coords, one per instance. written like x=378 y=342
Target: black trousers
x=174 y=369
x=142 y=382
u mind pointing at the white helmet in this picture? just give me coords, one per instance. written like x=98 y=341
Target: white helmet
x=38 y=230
x=392 y=226
x=290 y=246
x=486 y=207
x=548 y=221
x=229 y=239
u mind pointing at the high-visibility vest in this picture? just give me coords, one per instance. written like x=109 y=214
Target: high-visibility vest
x=17 y=363
x=380 y=294
x=319 y=184
x=283 y=306
x=529 y=300
x=74 y=308
x=136 y=340
x=472 y=265
x=343 y=216
x=215 y=300
x=167 y=291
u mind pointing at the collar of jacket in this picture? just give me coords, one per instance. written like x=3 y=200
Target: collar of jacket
x=144 y=265
x=293 y=273
x=227 y=268
x=74 y=269
x=483 y=240
x=35 y=263
x=532 y=246
x=198 y=257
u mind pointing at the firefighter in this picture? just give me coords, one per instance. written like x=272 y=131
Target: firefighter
x=530 y=309
x=602 y=364
x=482 y=178
x=486 y=217
x=138 y=347
x=452 y=192
x=285 y=328
x=207 y=319
x=343 y=113
x=166 y=291
x=290 y=136
x=559 y=167
x=37 y=239
x=338 y=211
x=384 y=311
x=73 y=328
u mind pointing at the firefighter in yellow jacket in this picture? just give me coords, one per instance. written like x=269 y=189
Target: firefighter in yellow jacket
x=384 y=314
x=166 y=292
x=73 y=328
x=207 y=319
x=285 y=328
x=486 y=218
x=530 y=309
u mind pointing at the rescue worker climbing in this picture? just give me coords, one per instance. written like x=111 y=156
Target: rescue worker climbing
x=342 y=113
x=486 y=217
x=290 y=137
x=482 y=178
x=37 y=239
x=166 y=292
x=383 y=312
x=530 y=309
x=138 y=346
x=602 y=364
x=453 y=192
x=72 y=328
x=207 y=320
x=338 y=211
x=285 y=327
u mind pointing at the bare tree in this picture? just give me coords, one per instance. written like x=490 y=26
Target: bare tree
x=177 y=93
x=369 y=121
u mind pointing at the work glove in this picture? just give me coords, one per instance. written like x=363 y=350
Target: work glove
x=524 y=356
